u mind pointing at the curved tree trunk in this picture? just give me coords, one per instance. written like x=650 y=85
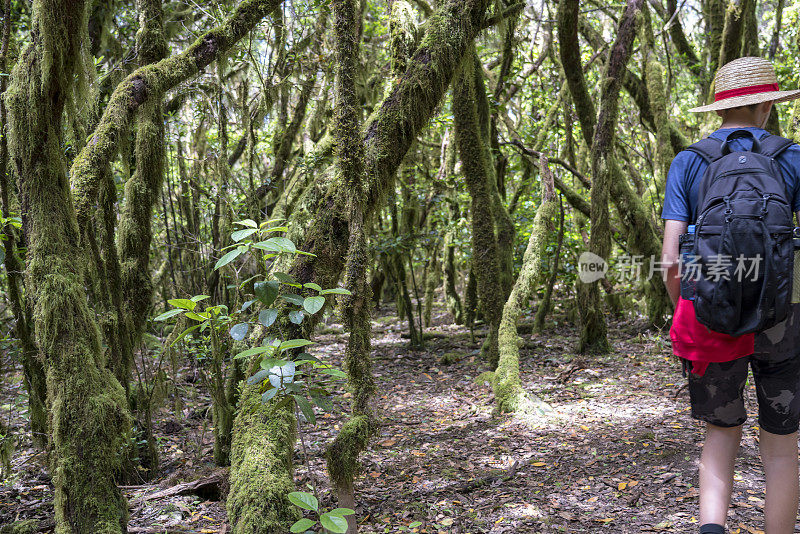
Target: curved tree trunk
x=508 y=391
x=352 y=440
x=32 y=366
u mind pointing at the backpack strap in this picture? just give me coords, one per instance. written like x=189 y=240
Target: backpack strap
x=772 y=145
x=707 y=148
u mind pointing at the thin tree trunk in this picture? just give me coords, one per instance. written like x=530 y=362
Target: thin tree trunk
x=486 y=258
x=261 y=450
x=593 y=326
x=352 y=440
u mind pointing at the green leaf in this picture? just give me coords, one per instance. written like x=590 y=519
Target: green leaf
x=277 y=229
x=186 y=304
x=185 y=333
x=252 y=352
x=312 y=285
x=293 y=344
x=306 y=408
x=267 y=396
x=302 y=525
x=304 y=356
x=415 y=524
x=198 y=298
x=200 y=317
x=239 y=331
x=296 y=316
x=238 y=235
x=334 y=523
x=285 y=278
x=313 y=304
x=247 y=222
x=276 y=244
x=247 y=305
x=322 y=402
x=266 y=292
x=304 y=500
x=341 y=512
x=167 y=314
x=335 y=291
x=258 y=377
x=267 y=317
x=293 y=298
x=229 y=257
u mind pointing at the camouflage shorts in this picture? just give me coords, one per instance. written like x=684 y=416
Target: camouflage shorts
x=717 y=397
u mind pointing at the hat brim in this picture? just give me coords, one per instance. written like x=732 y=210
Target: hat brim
x=747 y=100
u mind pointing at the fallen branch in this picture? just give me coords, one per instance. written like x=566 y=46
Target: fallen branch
x=209 y=487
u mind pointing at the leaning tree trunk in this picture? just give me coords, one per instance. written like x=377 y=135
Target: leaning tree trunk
x=260 y=473
x=90 y=422
x=508 y=391
x=486 y=259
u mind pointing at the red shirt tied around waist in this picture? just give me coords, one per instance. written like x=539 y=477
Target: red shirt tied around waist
x=693 y=341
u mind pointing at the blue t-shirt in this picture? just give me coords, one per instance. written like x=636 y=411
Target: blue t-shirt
x=686 y=171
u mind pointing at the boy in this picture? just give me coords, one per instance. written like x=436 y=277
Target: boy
x=746 y=89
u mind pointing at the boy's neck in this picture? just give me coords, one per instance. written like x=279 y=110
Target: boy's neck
x=738 y=124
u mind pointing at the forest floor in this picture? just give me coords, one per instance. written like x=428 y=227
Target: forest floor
x=618 y=452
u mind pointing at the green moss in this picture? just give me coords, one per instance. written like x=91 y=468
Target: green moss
x=449 y=358
x=27 y=526
x=89 y=421
x=261 y=468
x=343 y=453
x=507 y=386
x=486 y=257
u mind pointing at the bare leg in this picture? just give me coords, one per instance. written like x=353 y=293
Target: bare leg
x=779 y=455
x=716 y=472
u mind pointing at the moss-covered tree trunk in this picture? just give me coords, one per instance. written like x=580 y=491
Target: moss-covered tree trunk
x=508 y=391
x=504 y=226
x=485 y=253
x=259 y=473
x=545 y=304
x=32 y=366
x=352 y=440
x=593 y=325
x=89 y=420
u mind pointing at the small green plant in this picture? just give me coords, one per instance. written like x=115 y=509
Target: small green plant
x=332 y=521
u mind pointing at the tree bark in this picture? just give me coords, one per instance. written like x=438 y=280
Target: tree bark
x=570 y=52
x=32 y=366
x=352 y=440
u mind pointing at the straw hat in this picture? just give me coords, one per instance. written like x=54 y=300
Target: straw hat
x=746 y=81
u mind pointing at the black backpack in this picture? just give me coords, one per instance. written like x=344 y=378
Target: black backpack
x=742 y=255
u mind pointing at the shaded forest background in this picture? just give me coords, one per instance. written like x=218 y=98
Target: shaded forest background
x=233 y=221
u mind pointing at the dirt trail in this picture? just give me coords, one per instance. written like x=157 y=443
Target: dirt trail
x=618 y=453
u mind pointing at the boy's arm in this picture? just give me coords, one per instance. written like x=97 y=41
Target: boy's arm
x=670 y=257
